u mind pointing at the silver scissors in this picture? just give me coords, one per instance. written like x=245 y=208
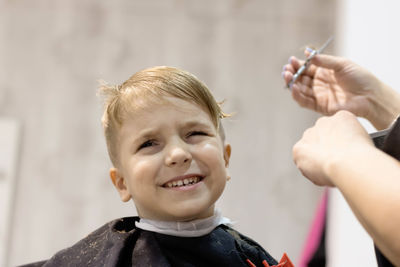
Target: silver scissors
x=305 y=65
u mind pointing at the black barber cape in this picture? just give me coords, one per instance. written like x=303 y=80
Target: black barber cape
x=120 y=243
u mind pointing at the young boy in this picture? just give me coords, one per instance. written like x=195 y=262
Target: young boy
x=166 y=143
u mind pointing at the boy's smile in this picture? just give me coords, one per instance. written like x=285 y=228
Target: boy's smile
x=184 y=181
x=172 y=161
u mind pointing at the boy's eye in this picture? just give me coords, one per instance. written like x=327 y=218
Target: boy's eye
x=193 y=133
x=148 y=143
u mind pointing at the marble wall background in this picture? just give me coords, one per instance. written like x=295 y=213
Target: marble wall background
x=52 y=53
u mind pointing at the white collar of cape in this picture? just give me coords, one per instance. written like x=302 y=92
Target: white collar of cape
x=193 y=228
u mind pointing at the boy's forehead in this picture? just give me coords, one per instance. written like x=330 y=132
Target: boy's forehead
x=146 y=107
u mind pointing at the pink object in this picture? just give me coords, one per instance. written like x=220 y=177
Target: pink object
x=314 y=235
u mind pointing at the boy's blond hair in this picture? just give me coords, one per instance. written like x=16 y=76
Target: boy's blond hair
x=150 y=86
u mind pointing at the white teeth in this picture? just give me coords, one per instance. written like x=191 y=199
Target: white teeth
x=187 y=181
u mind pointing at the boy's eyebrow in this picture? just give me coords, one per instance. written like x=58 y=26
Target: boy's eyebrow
x=149 y=133
x=190 y=124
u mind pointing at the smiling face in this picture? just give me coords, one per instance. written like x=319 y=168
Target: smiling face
x=172 y=161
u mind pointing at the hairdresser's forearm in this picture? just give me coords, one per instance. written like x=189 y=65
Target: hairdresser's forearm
x=385 y=104
x=370 y=182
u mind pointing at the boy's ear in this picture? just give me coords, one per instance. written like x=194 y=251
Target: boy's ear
x=227 y=153
x=120 y=185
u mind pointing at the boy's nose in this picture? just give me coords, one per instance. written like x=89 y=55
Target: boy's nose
x=178 y=155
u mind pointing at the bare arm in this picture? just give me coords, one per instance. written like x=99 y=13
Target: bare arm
x=338 y=152
x=372 y=189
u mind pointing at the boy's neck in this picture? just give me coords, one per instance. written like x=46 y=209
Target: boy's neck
x=193 y=228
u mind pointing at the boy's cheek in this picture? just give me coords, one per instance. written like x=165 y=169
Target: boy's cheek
x=211 y=148
x=143 y=169
x=214 y=152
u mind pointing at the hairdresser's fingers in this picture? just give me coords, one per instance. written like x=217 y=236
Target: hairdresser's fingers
x=326 y=61
x=306 y=80
x=330 y=62
x=310 y=71
x=287 y=73
x=295 y=62
x=307 y=51
x=289 y=67
x=303 y=100
x=306 y=90
x=287 y=76
x=304 y=85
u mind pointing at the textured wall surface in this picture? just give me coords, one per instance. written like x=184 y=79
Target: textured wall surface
x=52 y=53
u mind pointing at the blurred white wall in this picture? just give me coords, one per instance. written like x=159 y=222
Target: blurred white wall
x=9 y=143
x=52 y=52
x=367 y=33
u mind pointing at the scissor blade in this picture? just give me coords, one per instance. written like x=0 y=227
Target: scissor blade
x=322 y=48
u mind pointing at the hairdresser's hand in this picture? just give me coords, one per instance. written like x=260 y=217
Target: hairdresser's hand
x=331 y=140
x=332 y=83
